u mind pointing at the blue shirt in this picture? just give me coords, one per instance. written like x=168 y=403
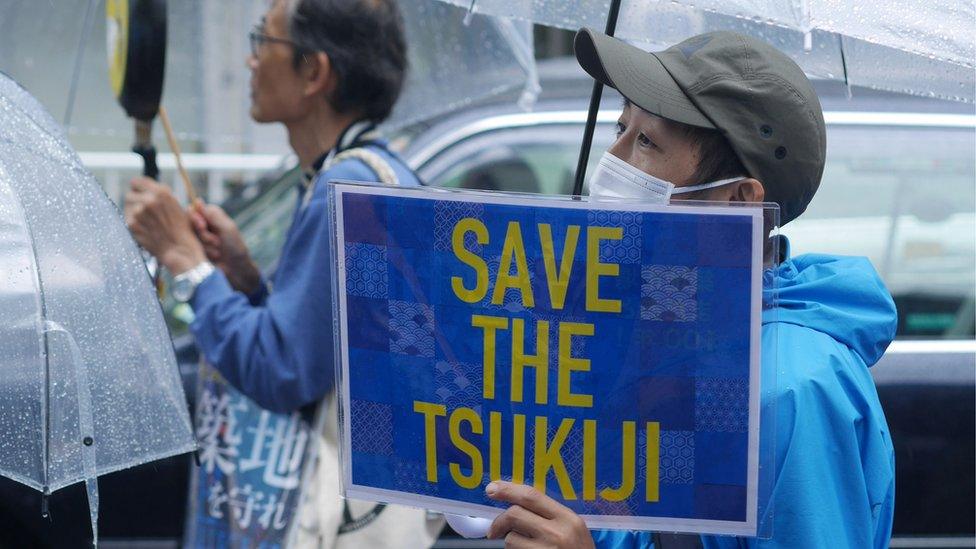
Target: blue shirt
x=277 y=347
x=835 y=463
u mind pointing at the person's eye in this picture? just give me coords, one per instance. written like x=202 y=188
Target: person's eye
x=619 y=129
x=644 y=141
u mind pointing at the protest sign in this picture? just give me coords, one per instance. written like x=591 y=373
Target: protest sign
x=607 y=354
x=246 y=491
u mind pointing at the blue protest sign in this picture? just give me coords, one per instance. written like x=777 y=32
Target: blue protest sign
x=607 y=354
x=246 y=491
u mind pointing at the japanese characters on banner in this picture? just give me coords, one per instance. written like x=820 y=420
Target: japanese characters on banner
x=607 y=354
x=246 y=490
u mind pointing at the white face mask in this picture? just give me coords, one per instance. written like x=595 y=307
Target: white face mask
x=614 y=178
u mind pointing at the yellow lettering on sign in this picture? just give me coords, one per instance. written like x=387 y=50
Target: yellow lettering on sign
x=589 y=459
x=539 y=361
x=626 y=487
x=595 y=270
x=518 y=449
x=513 y=250
x=548 y=456
x=653 y=472
x=569 y=364
x=470 y=259
x=431 y=412
x=490 y=324
x=495 y=445
x=558 y=282
x=466 y=415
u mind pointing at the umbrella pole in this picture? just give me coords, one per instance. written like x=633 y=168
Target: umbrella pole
x=76 y=74
x=584 y=155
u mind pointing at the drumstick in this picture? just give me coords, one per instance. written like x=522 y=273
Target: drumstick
x=190 y=192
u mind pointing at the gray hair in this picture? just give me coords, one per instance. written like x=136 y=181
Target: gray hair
x=365 y=42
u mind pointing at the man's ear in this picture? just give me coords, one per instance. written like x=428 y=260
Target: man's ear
x=748 y=190
x=319 y=77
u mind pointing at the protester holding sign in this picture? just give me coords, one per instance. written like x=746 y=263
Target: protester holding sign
x=329 y=70
x=725 y=117
x=566 y=343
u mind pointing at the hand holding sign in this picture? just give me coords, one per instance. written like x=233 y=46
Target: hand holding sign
x=535 y=520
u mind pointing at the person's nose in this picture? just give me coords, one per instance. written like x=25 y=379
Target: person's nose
x=251 y=62
x=620 y=147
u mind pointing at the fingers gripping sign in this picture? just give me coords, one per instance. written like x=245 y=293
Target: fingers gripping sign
x=535 y=520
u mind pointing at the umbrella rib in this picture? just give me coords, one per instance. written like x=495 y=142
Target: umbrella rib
x=73 y=90
x=843 y=64
x=46 y=409
x=42 y=311
x=467 y=16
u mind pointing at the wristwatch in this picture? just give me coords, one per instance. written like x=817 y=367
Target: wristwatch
x=184 y=284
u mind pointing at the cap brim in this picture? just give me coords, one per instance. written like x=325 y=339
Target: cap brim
x=638 y=75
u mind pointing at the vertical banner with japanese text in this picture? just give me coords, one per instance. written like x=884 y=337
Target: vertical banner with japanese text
x=245 y=492
x=607 y=354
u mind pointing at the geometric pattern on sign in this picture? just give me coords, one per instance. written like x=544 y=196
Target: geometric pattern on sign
x=411 y=329
x=677 y=457
x=572 y=448
x=409 y=476
x=613 y=508
x=577 y=342
x=722 y=405
x=669 y=293
x=372 y=425
x=458 y=385
x=366 y=270
x=627 y=250
x=446 y=216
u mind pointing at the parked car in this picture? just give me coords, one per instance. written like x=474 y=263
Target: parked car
x=898 y=188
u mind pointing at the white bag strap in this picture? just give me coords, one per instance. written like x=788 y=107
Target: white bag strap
x=384 y=172
x=373 y=160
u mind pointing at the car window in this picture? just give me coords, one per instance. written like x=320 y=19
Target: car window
x=536 y=159
x=264 y=223
x=901 y=196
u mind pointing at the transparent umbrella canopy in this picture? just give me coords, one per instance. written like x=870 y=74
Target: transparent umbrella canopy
x=904 y=46
x=206 y=84
x=901 y=46
x=88 y=378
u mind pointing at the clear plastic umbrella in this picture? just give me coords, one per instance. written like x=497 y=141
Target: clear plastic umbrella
x=60 y=55
x=894 y=45
x=904 y=46
x=88 y=379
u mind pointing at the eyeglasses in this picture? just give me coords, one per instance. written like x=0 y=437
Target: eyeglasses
x=258 y=38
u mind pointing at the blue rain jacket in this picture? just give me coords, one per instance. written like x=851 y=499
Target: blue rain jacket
x=277 y=347
x=835 y=463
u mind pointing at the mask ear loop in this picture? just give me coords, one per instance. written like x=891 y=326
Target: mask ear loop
x=702 y=187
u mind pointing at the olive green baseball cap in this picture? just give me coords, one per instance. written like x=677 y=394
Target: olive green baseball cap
x=751 y=92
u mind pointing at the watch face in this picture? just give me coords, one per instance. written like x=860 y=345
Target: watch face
x=182 y=290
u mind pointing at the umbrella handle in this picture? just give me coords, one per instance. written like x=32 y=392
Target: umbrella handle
x=144 y=147
x=148 y=153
